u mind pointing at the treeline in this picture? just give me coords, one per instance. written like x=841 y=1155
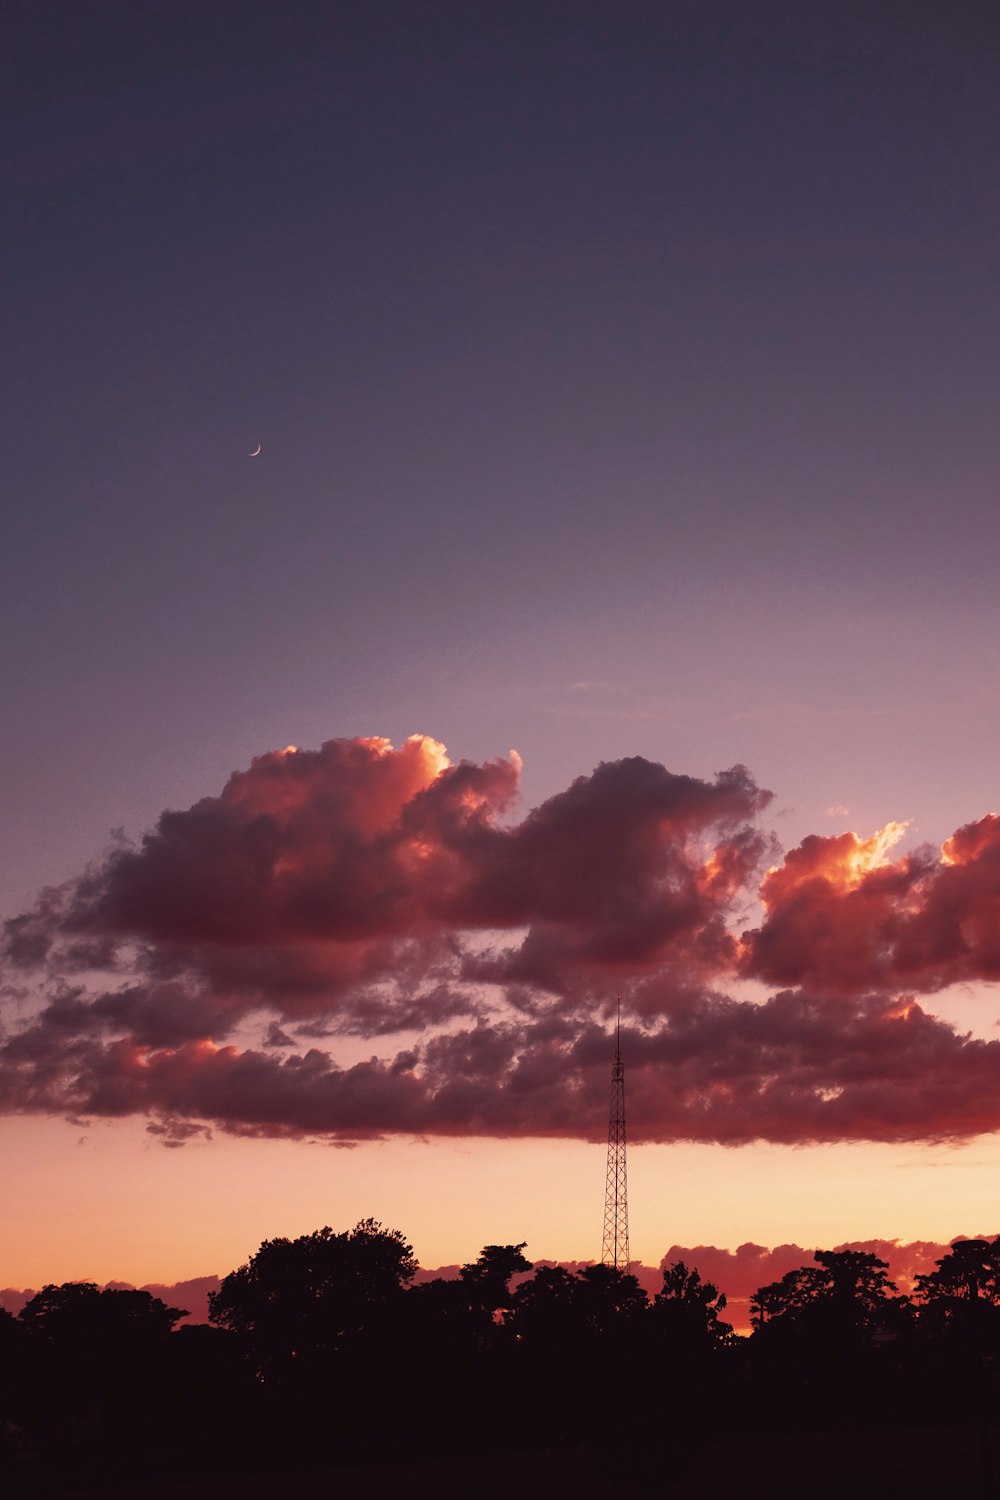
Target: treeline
x=322 y=1351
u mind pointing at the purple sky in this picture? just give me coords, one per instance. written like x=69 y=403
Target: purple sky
x=649 y=347
x=625 y=378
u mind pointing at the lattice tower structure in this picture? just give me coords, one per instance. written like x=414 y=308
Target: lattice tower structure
x=615 y=1251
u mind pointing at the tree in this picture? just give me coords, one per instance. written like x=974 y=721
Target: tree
x=94 y=1363
x=545 y=1307
x=10 y=1331
x=79 y=1316
x=11 y=1350
x=597 y=1301
x=786 y=1299
x=969 y=1273
x=609 y=1298
x=469 y=1312
x=961 y=1296
x=857 y=1280
x=846 y=1294
x=487 y=1279
x=297 y=1300
x=960 y=1306
x=570 y=1328
x=687 y=1309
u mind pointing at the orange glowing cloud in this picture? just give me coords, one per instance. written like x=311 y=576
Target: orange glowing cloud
x=314 y=873
x=842 y=861
x=843 y=917
x=209 y=976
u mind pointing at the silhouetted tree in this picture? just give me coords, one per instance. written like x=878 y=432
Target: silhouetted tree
x=545 y=1307
x=847 y=1292
x=487 y=1279
x=598 y=1301
x=300 y=1301
x=94 y=1371
x=8 y=1327
x=11 y=1355
x=610 y=1300
x=964 y=1283
x=959 y=1303
x=568 y=1327
x=959 y=1306
x=468 y=1312
x=79 y=1315
x=825 y=1339
x=686 y=1309
x=492 y=1270
x=11 y=1332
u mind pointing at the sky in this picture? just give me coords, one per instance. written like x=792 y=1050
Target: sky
x=619 y=559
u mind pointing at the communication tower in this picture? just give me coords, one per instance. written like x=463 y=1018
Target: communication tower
x=615 y=1251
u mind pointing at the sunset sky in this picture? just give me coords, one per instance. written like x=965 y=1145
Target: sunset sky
x=621 y=559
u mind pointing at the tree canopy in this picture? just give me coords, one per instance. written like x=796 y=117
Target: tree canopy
x=689 y=1309
x=847 y=1293
x=317 y=1294
x=80 y=1312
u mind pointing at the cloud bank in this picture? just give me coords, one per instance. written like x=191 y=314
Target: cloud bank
x=360 y=941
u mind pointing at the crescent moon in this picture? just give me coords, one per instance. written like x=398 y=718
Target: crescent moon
x=255 y=451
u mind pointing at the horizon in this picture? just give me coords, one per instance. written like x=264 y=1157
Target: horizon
x=735 y=1273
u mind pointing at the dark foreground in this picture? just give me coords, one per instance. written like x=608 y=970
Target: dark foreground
x=328 y=1375
x=923 y=1464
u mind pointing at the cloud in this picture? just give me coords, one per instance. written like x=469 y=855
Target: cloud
x=843 y=917
x=173 y=1133
x=317 y=876
x=211 y=976
x=792 y=1069
x=13 y=1298
x=191 y=1294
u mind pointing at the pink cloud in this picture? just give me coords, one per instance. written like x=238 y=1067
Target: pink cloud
x=842 y=917
x=203 y=978
x=714 y=1069
x=332 y=882
x=12 y=1298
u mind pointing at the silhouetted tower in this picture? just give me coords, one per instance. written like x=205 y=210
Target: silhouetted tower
x=615 y=1252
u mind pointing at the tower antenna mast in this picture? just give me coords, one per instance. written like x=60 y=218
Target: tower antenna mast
x=615 y=1250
